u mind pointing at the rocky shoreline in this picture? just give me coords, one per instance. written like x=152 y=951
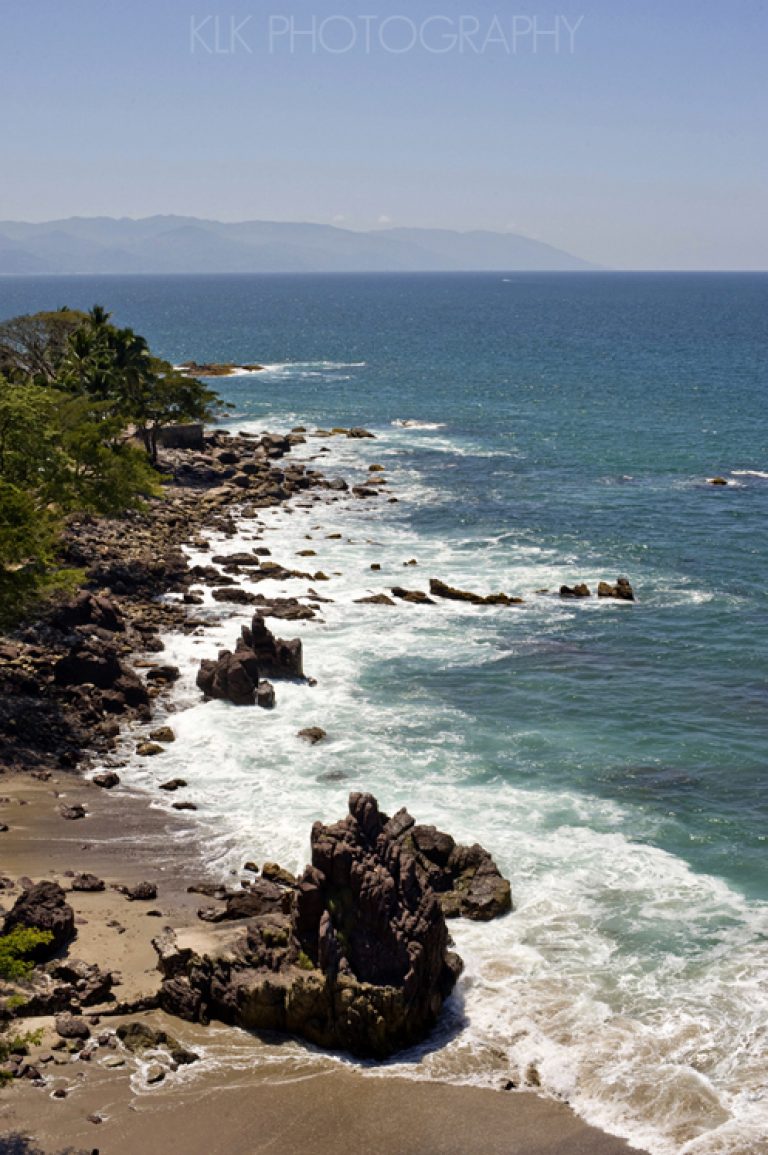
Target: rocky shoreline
x=354 y=954
x=67 y=686
x=332 y=955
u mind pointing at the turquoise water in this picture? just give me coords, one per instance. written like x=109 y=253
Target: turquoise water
x=612 y=756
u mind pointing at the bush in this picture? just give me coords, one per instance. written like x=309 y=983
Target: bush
x=14 y=949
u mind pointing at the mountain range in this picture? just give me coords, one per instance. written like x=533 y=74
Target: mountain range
x=177 y=244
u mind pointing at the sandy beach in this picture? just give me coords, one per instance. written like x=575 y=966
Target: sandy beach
x=247 y=1095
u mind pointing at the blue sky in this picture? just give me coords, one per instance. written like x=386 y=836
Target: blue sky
x=636 y=139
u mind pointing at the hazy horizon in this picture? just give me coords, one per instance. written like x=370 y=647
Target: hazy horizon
x=632 y=137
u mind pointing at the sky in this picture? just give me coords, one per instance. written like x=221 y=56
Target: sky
x=629 y=132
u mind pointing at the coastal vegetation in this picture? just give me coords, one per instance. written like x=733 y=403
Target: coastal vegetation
x=82 y=403
x=16 y=965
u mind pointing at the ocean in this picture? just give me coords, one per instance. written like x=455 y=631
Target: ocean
x=537 y=429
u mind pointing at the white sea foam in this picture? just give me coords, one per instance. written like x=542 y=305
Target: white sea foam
x=636 y=988
x=750 y=473
x=411 y=423
x=305 y=369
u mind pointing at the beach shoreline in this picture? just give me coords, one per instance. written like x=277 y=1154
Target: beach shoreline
x=290 y=1101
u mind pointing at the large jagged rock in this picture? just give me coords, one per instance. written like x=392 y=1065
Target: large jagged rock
x=231 y=677
x=43 y=906
x=355 y=956
x=238 y=677
x=275 y=657
x=466 y=878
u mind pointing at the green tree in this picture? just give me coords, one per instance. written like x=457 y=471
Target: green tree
x=32 y=346
x=168 y=397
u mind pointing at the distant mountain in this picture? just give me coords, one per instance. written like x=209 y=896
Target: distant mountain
x=170 y=244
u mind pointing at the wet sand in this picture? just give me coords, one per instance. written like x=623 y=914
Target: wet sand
x=247 y=1096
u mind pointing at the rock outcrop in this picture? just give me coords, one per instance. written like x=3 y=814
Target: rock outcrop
x=66 y=683
x=417 y=597
x=578 y=591
x=622 y=590
x=275 y=657
x=441 y=590
x=354 y=955
x=230 y=677
x=239 y=677
x=66 y=987
x=44 y=907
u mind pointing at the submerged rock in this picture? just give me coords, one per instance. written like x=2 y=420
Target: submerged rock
x=355 y=955
x=312 y=734
x=417 y=597
x=441 y=590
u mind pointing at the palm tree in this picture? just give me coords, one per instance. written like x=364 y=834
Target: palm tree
x=98 y=317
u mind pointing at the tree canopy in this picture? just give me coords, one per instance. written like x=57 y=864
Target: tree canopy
x=75 y=393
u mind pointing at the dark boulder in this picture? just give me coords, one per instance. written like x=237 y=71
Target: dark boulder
x=289 y=609
x=73 y=812
x=72 y=1027
x=87 y=882
x=234 y=595
x=44 y=906
x=418 y=597
x=107 y=779
x=312 y=734
x=163 y=674
x=265 y=695
x=231 y=677
x=100 y=668
x=141 y=892
x=91 y=985
x=138 y=1037
x=577 y=591
x=441 y=590
x=622 y=590
x=261 y=897
x=89 y=609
